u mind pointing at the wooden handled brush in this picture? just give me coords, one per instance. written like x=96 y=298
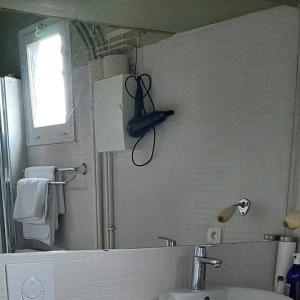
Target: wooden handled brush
x=226 y=214
x=292 y=220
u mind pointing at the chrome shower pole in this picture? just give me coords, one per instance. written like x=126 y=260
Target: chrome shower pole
x=7 y=196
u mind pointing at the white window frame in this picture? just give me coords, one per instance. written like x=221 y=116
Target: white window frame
x=55 y=133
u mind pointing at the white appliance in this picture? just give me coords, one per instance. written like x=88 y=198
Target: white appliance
x=113 y=108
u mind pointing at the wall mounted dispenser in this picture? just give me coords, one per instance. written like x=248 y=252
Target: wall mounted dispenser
x=285 y=252
x=243 y=206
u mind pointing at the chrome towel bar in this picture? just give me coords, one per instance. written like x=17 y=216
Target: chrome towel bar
x=81 y=169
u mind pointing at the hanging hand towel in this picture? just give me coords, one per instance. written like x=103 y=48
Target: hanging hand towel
x=31 y=201
x=44 y=233
x=40 y=172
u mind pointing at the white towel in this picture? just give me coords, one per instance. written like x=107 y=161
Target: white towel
x=25 y=250
x=45 y=233
x=49 y=172
x=31 y=202
x=40 y=172
x=60 y=194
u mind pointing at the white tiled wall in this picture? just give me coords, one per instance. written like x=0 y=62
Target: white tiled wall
x=244 y=264
x=232 y=86
x=143 y=274
x=111 y=275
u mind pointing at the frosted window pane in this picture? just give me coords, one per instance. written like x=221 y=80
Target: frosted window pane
x=46 y=80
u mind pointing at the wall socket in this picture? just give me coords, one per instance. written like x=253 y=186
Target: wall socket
x=214 y=235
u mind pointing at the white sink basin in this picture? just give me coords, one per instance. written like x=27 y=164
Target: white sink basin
x=222 y=293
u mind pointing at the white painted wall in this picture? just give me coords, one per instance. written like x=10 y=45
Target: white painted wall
x=232 y=86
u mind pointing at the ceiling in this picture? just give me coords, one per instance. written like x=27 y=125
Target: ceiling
x=157 y=15
x=160 y=15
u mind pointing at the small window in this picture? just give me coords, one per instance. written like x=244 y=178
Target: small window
x=45 y=70
x=46 y=76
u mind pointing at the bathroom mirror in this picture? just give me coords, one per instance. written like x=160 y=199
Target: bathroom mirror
x=47 y=115
x=232 y=85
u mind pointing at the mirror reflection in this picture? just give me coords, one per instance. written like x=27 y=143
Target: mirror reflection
x=118 y=137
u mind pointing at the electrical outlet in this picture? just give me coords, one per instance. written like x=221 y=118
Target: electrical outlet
x=214 y=235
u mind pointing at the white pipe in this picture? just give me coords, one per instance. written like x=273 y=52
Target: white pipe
x=108 y=201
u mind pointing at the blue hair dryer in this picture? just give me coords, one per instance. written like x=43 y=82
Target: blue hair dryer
x=142 y=122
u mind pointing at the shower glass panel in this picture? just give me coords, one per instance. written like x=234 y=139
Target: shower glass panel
x=12 y=157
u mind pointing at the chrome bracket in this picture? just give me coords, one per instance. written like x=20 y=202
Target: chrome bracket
x=82 y=169
x=243 y=205
x=110 y=229
x=169 y=242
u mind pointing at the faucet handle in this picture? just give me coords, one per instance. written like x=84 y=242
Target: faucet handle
x=169 y=242
x=200 y=250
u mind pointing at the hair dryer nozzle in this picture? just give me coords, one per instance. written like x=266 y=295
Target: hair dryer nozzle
x=169 y=113
x=139 y=126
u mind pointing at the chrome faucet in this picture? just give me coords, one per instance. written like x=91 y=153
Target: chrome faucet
x=199 y=267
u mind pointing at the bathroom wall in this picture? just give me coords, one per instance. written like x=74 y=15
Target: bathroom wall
x=294 y=187
x=249 y=264
x=232 y=86
x=143 y=274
